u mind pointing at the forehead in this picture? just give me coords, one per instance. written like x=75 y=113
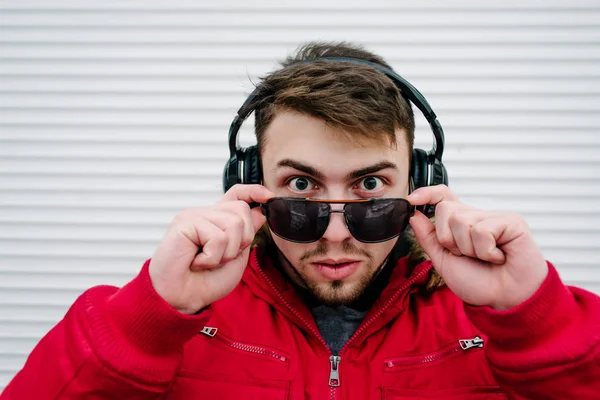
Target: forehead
x=311 y=141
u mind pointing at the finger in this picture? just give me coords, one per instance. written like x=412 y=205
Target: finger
x=213 y=242
x=233 y=225
x=431 y=195
x=258 y=219
x=483 y=236
x=248 y=194
x=443 y=213
x=460 y=224
x=424 y=231
x=243 y=210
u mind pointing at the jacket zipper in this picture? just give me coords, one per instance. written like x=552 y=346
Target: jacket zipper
x=391 y=301
x=461 y=345
x=334 y=379
x=334 y=376
x=212 y=332
x=334 y=361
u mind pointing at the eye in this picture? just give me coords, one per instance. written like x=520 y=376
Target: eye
x=370 y=184
x=300 y=184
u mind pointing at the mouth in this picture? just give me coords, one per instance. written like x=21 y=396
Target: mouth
x=334 y=262
x=336 y=269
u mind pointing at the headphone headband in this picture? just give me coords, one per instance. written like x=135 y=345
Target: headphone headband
x=406 y=89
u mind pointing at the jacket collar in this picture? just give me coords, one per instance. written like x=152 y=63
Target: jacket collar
x=266 y=281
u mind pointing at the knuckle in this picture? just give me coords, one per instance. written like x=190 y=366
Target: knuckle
x=226 y=258
x=236 y=206
x=180 y=217
x=220 y=238
x=447 y=193
x=517 y=219
x=187 y=215
x=230 y=254
x=455 y=220
x=247 y=240
x=443 y=208
x=446 y=240
x=478 y=230
x=238 y=190
x=235 y=223
x=241 y=206
x=235 y=187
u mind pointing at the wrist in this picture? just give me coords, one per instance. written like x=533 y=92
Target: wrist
x=526 y=287
x=146 y=318
x=195 y=310
x=548 y=307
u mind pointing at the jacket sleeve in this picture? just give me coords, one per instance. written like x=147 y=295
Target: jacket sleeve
x=547 y=347
x=113 y=343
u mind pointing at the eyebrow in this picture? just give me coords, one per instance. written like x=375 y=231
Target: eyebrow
x=307 y=169
x=371 y=169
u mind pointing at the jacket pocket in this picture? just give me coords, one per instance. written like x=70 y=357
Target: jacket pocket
x=213 y=352
x=245 y=348
x=223 y=387
x=466 y=393
x=216 y=366
x=452 y=350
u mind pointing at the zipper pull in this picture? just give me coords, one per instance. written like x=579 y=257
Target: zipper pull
x=334 y=376
x=467 y=344
x=209 y=331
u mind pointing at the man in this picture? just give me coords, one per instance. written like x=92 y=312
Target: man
x=333 y=301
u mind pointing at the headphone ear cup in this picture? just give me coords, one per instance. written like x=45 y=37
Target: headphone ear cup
x=230 y=173
x=418 y=168
x=440 y=175
x=420 y=175
x=252 y=171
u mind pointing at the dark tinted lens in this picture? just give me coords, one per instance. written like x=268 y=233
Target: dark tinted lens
x=297 y=220
x=377 y=220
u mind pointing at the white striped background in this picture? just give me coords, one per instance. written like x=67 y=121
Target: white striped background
x=113 y=117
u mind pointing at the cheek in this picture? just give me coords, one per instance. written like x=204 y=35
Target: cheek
x=380 y=251
x=291 y=251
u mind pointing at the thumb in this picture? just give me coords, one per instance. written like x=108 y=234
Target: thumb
x=258 y=219
x=425 y=234
x=248 y=193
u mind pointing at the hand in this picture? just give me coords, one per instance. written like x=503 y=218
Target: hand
x=485 y=258
x=188 y=280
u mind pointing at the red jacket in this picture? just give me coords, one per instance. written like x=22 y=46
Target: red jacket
x=261 y=342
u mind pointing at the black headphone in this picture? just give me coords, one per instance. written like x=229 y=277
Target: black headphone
x=426 y=169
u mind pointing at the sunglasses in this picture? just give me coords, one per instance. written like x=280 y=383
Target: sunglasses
x=305 y=220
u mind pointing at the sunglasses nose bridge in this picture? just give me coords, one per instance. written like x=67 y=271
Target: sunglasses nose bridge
x=337 y=227
x=338 y=211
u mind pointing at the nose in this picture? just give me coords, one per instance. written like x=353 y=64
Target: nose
x=337 y=231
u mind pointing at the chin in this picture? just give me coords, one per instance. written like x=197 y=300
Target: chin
x=337 y=293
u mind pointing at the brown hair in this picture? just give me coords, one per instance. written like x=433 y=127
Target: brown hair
x=360 y=100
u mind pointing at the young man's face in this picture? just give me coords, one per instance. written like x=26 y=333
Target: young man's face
x=304 y=157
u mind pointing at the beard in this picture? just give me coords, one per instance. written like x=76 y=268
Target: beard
x=337 y=292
